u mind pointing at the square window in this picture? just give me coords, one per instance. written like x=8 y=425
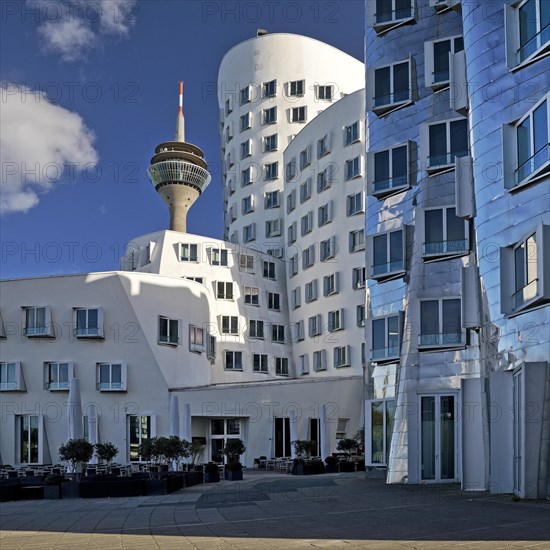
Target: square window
x=256 y=329
x=196 y=339
x=89 y=322
x=351 y=133
x=259 y=362
x=233 y=360
x=269 y=270
x=168 y=331
x=341 y=357
x=386 y=338
x=357 y=240
x=388 y=255
x=229 y=324
x=270 y=88
x=336 y=320
x=327 y=249
x=437 y=56
x=281 y=366
x=388 y=171
x=325 y=92
x=298 y=114
x=270 y=143
x=271 y=199
x=353 y=168
x=278 y=333
x=446 y=141
x=111 y=376
x=251 y=296
x=445 y=234
x=11 y=378
x=355 y=204
x=188 y=252
x=330 y=284
x=319 y=360
x=219 y=257
x=224 y=290
x=269 y=116
x=271 y=170
x=441 y=323
x=274 y=301
x=392 y=87
x=246 y=263
x=58 y=376
x=315 y=326
x=38 y=322
x=296 y=88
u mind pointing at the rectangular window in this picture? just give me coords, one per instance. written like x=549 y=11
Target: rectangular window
x=246 y=263
x=307 y=223
x=293 y=266
x=245 y=122
x=308 y=257
x=391 y=171
x=29 y=428
x=233 y=360
x=219 y=256
x=388 y=13
x=269 y=89
x=246 y=148
x=436 y=55
x=447 y=140
x=351 y=133
x=245 y=94
x=358 y=277
x=355 y=204
x=298 y=114
x=10 y=377
x=38 y=321
x=281 y=366
x=256 y=329
x=533 y=144
x=168 y=331
x=269 y=270
x=269 y=116
x=315 y=326
x=229 y=132
x=386 y=338
x=326 y=178
x=270 y=143
x=341 y=428
x=292 y=233
x=271 y=199
x=247 y=205
x=271 y=170
x=305 y=157
x=392 y=87
x=319 y=360
x=323 y=146
x=327 y=249
x=251 y=295
x=360 y=315
x=291 y=201
x=324 y=214
x=341 y=357
x=224 y=290
x=379 y=419
x=357 y=240
x=196 y=339
x=296 y=298
x=440 y=323
x=89 y=322
x=58 y=375
x=111 y=376
x=325 y=92
x=188 y=252
x=259 y=362
x=278 y=333
x=274 y=301
x=311 y=292
x=445 y=233
x=353 y=168
x=272 y=228
x=303 y=364
x=388 y=254
x=296 y=88
x=246 y=176
x=290 y=170
x=330 y=284
x=230 y=324
x=249 y=233
x=305 y=191
x=211 y=348
x=335 y=320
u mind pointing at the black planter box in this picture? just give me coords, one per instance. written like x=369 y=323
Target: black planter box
x=307 y=469
x=52 y=492
x=331 y=468
x=211 y=478
x=192 y=478
x=9 y=490
x=155 y=487
x=233 y=475
x=347 y=466
x=112 y=487
x=70 y=489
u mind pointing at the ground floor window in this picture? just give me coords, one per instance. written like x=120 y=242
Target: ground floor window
x=140 y=430
x=282 y=437
x=380 y=416
x=315 y=436
x=28 y=431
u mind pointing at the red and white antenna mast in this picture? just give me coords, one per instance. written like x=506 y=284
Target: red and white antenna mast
x=180 y=124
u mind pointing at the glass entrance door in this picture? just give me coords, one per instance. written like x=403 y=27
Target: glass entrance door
x=438 y=438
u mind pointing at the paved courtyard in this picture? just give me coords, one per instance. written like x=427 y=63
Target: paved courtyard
x=271 y=510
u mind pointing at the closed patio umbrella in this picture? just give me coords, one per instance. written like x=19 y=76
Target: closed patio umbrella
x=74 y=410
x=186 y=428
x=174 y=415
x=323 y=430
x=93 y=432
x=292 y=422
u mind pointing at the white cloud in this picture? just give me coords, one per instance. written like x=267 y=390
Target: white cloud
x=39 y=142
x=71 y=28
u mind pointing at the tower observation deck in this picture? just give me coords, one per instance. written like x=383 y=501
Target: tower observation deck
x=179 y=173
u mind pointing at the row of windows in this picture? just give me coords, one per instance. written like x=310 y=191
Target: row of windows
x=526 y=22
x=260 y=363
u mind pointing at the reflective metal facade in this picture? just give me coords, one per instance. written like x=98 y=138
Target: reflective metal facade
x=485 y=453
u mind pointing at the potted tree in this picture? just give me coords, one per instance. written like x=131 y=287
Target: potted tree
x=303 y=449
x=233 y=450
x=331 y=465
x=52 y=486
x=211 y=473
x=106 y=451
x=196 y=452
x=348 y=446
x=75 y=452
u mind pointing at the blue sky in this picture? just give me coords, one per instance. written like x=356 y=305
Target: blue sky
x=112 y=68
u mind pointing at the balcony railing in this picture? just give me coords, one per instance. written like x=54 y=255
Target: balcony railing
x=7 y=386
x=391 y=99
x=58 y=385
x=88 y=331
x=387 y=268
x=532 y=164
x=103 y=386
x=385 y=353
x=36 y=331
x=436 y=161
x=441 y=76
x=534 y=44
x=441 y=339
x=528 y=292
x=389 y=184
x=446 y=247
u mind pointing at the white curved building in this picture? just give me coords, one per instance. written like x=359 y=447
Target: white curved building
x=269 y=87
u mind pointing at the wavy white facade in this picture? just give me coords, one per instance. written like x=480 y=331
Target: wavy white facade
x=458 y=213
